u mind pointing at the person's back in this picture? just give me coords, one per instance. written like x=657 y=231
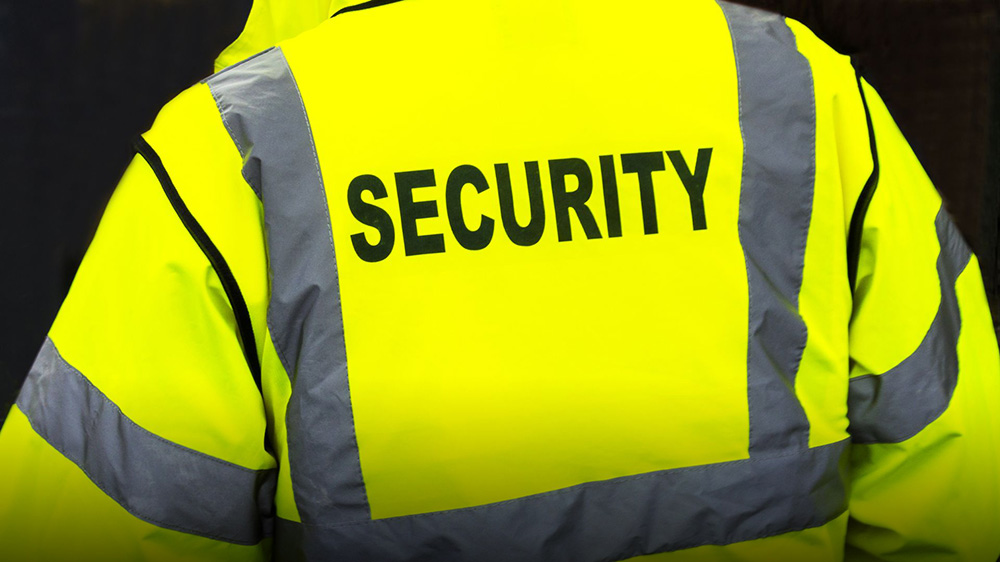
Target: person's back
x=520 y=281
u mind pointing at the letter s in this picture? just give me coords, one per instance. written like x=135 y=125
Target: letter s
x=370 y=215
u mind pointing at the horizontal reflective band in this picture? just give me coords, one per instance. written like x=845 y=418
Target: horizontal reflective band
x=610 y=520
x=158 y=481
x=895 y=406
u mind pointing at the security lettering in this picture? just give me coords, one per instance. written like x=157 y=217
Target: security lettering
x=477 y=232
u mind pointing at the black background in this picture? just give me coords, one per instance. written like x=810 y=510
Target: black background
x=80 y=78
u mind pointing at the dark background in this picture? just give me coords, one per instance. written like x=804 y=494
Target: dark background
x=80 y=78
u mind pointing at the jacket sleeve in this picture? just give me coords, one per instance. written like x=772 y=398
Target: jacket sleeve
x=924 y=392
x=140 y=432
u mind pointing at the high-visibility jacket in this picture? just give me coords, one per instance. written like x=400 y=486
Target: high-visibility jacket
x=525 y=281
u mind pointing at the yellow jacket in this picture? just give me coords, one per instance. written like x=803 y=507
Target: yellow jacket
x=449 y=280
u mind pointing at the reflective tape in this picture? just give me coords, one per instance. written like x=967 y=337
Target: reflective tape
x=261 y=106
x=233 y=108
x=778 y=124
x=896 y=405
x=158 y=481
x=609 y=520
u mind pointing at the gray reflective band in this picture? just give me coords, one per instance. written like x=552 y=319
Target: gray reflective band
x=896 y=405
x=610 y=520
x=234 y=108
x=263 y=110
x=158 y=481
x=778 y=124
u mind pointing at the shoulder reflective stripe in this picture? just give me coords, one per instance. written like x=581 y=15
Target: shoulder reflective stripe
x=778 y=123
x=233 y=108
x=895 y=406
x=611 y=520
x=262 y=106
x=158 y=481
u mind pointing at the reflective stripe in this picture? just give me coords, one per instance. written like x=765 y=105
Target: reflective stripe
x=158 y=481
x=263 y=110
x=610 y=520
x=778 y=124
x=225 y=86
x=897 y=404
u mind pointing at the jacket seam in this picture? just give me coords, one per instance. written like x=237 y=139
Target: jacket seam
x=364 y=6
x=241 y=314
x=860 y=212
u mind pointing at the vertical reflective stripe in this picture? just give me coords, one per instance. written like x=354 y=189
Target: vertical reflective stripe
x=225 y=87
x=615 y=519
x=158 y=481
x=896 y=405
x=778 y=124
x=261 y=106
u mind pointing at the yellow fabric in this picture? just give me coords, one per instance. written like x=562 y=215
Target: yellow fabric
x=195 y=146
x=935 y=496
x=50 y=511
x=595 y=385
x=147 y=321
x=818 y=544
x=596 y=388
x=145 y=306
x=843 y=164
x=493 y=447
x=897 y=288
